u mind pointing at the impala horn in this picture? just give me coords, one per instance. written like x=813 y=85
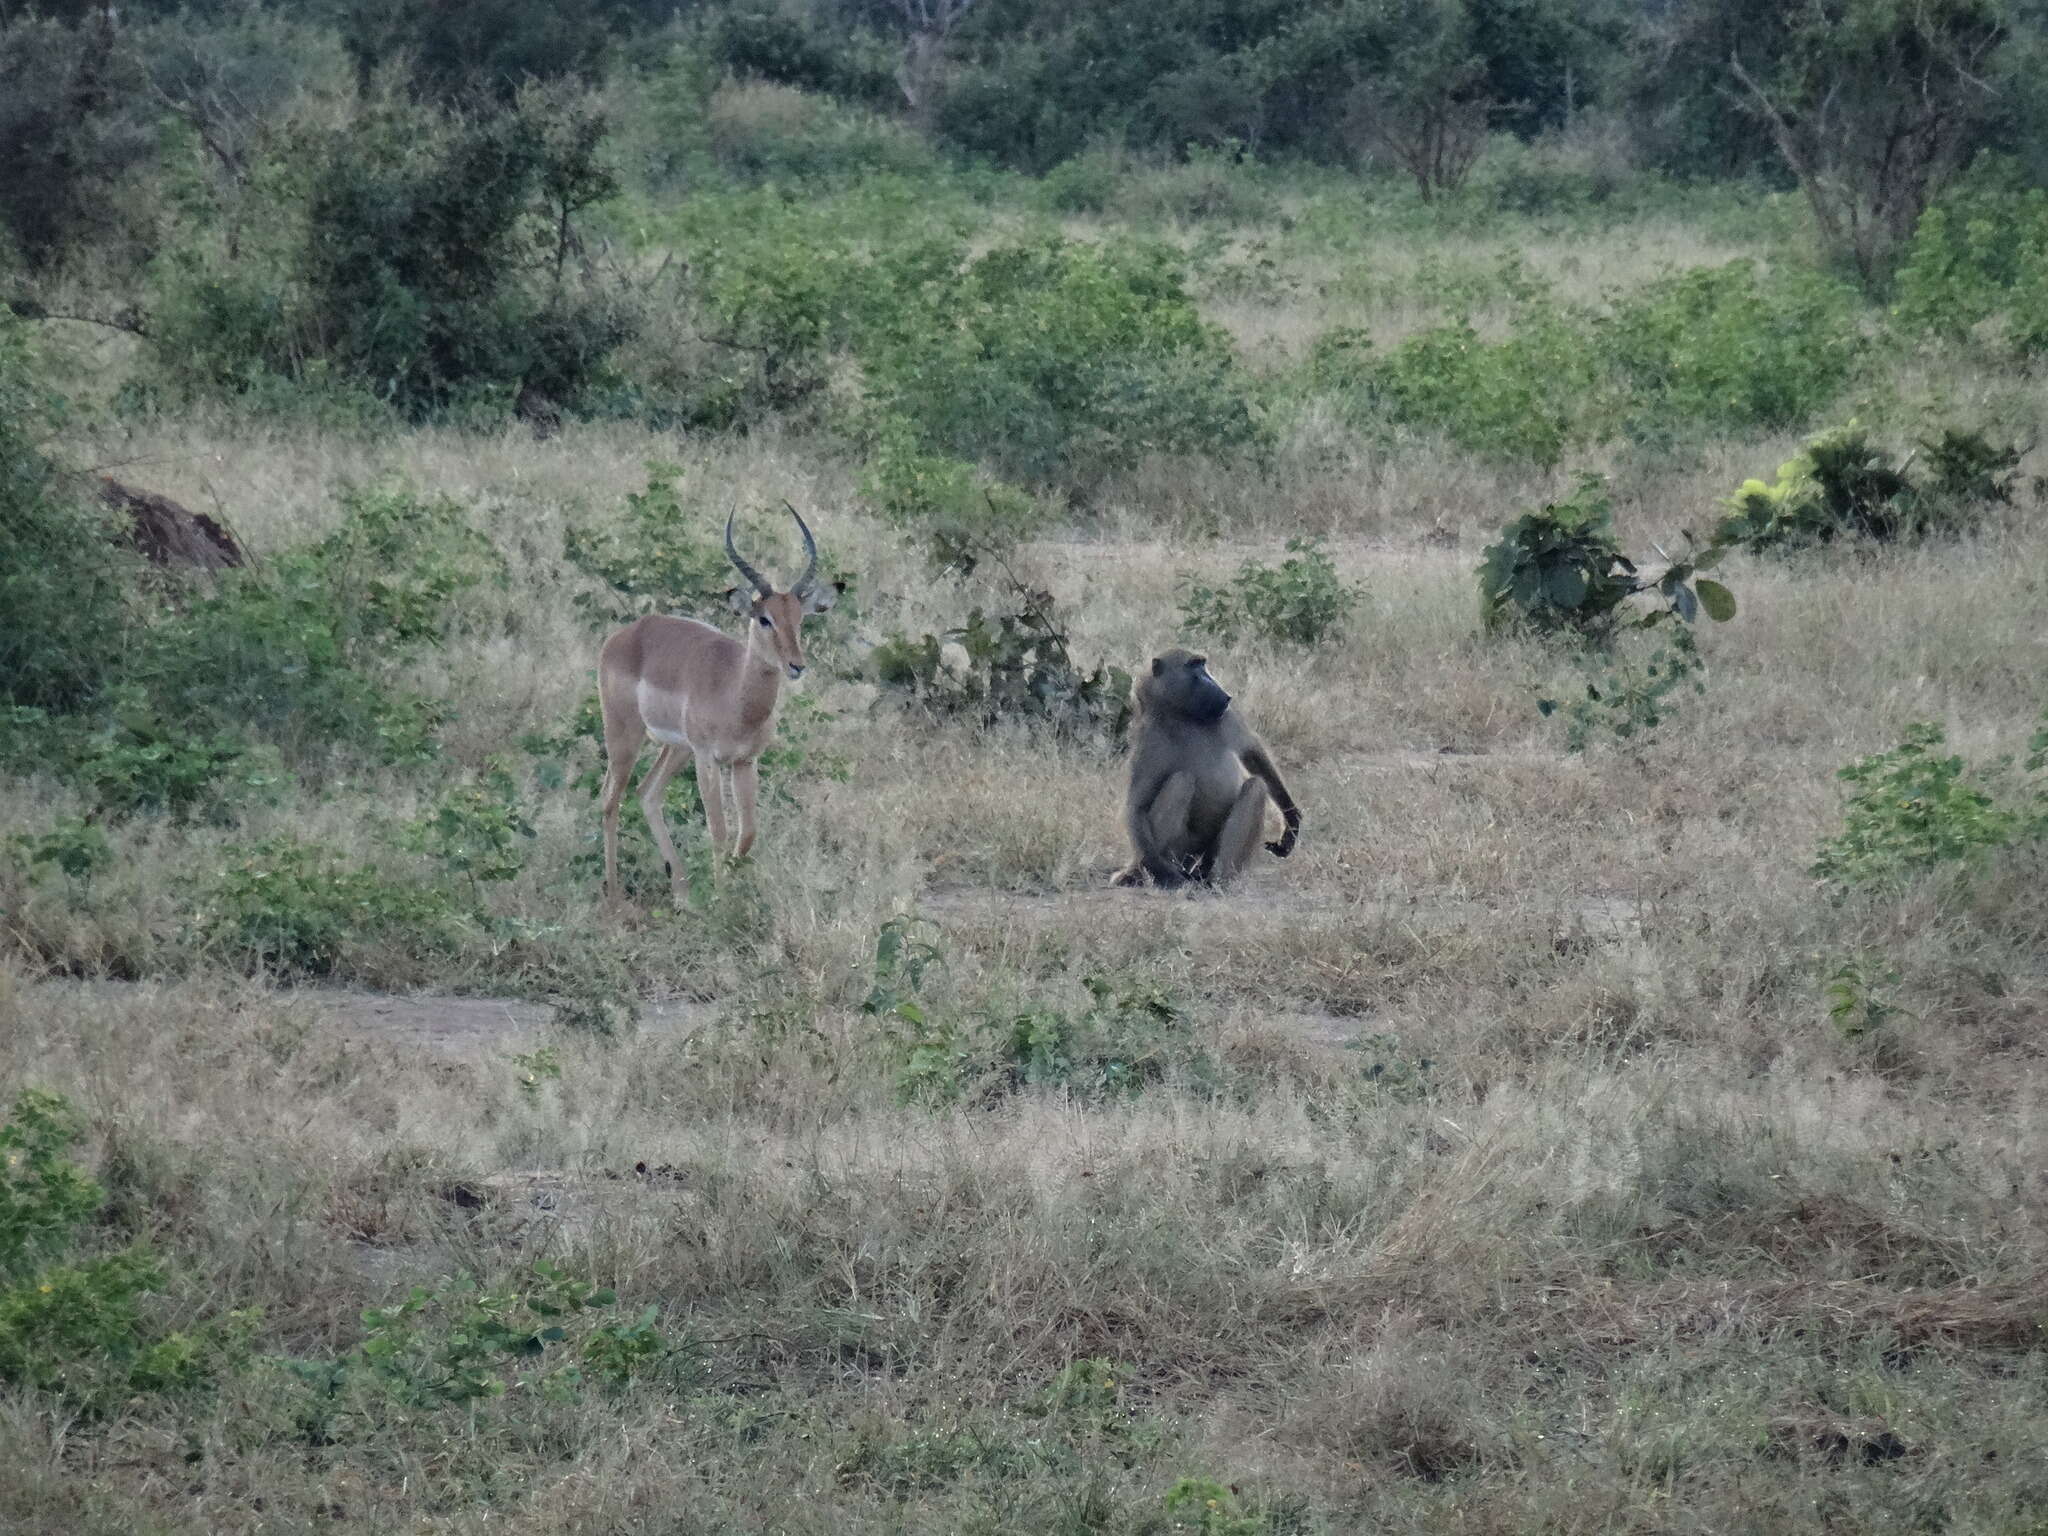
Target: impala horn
x=801 y=587
x=731 y=553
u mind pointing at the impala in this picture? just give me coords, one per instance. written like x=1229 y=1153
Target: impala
x=700 y=692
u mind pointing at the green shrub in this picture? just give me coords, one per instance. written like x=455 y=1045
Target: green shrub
x=77 y=1327
x=294 y=909
x=1523 y=400
x=1050 y=363
x=137 y=763
x=778 y=293
x=964 y=517
x=66 y=584
x=302 y=653
x=1912 y=812
x=72 y=845
x=763 y=132
x=1845 y=486
x=1981 y=251
x=1087 y=183
x=427 y=259
x=1301 y=601
x=44 y=1196
x=1558 y=568
x=1125 y=1038
x=1967 y=469
x=1209 y=1508
x=1728 y=347
x=1015 y=666
x=659 y=562
x=473 y=830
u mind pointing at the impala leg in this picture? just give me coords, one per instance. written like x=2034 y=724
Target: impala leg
x=746 y=788
x=621 y=751
x=652 y=789
x=711 y=786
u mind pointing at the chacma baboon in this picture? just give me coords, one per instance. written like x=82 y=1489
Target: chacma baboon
x=1194 y=811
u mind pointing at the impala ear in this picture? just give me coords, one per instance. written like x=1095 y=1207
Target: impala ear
x=824 y=597
x=739 y=599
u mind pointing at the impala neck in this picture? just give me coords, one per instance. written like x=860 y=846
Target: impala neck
x=759 y=682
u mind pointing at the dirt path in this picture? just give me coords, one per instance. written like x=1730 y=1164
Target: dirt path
x=454 y=1028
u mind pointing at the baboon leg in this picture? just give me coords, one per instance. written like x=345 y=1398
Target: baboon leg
x=711 y=790
x=1160 y=833
x=652 y=789
x=1242 y=829
x=746 y=785
x=623 y=739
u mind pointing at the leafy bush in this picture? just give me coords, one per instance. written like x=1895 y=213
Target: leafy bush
x=432 y=265
x=965 y=517
x=1301 y=601
x=1087 y=183
x=1979 y=252
x=77 y=1327
x=416 y=256
x=73 y=845
x=295 y=908
x=1052 y=362
x=658 y=563
x=1627 y=696
x=1843 y=485
x=137 y=763
x=1911 y=812
x=760 y=132
x=1557 y=568
x=1967 y=469
x=473 y=830
x=1730 y=347
x=1122 y=1040
x=777 y=293
x=1013 y=666
x=65 y=586
x=44 y=1196
x=1526 y=399
x=302 y=653
x=461 y=1343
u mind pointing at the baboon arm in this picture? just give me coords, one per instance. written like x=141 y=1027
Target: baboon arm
x=1253 y=756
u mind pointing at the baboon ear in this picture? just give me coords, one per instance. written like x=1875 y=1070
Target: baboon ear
x=1158 y=665
x=739 y=600
x=825 y=595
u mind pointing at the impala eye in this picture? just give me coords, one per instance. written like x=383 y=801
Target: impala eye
x=766 y=622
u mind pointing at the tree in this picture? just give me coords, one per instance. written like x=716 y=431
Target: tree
x=929 y=24
x=1875 y=105
x=1427 y=106
x=69 y=131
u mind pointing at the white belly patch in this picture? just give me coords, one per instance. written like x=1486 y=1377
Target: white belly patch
x=661 y=714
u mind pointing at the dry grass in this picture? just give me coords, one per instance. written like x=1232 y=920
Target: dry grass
x=1503 y=1173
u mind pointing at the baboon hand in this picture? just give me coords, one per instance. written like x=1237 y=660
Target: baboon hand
x=1285 y=846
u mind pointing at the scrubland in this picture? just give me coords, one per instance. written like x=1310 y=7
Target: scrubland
x=1542 y=1147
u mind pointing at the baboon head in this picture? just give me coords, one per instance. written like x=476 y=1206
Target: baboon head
x=776 y=619
x=1180 y=684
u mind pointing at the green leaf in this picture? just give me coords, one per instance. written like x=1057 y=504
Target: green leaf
x=1567 y=586
x=1716 y=599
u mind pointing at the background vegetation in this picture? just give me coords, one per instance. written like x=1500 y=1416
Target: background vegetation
x=1597 y=445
